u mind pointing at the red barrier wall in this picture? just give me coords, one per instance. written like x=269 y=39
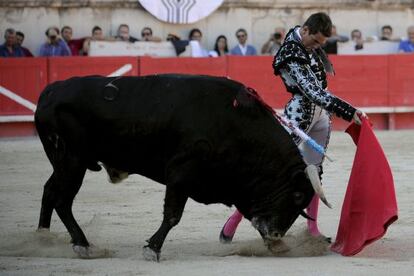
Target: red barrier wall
x=25 y=77
x=364 y=81
x=257 y=72
x=401 y=80
x=401 y=89
x=17 y=129
x=361 y=80
x=61 y=68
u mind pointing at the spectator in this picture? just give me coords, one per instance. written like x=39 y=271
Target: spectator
x=75 y=45
x=179 y=45
x=274 y=42
x=386 y=34
x=195 y=34
x=97 y=35
x=146 y=35
x=123 y=34
x=243 y=49
x=356 y=36
x=331 y=46
x=19 y=41
x=10 y=48
x=195 y=37
x=55 y=45
x=220 y=47
x=173 y=37
x=407 y=46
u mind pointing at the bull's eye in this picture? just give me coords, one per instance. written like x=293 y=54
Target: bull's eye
x=298 y=198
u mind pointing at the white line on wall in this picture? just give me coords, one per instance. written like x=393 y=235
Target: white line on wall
x=124 y=69
x=29 y=118
x=17 y=99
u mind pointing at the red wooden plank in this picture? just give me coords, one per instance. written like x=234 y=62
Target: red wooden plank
x=360 y=80
x=257 y=72
x=26 y=77
x=401 y=73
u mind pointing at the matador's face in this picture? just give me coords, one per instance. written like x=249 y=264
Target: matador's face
x=312 y=41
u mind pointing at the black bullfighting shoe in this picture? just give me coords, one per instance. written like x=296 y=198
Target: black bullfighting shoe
x=225 y=239
x=327 y=239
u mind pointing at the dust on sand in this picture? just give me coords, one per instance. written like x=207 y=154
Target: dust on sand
x=117 y=219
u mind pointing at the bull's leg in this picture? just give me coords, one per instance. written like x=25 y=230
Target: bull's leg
x=174 y=205
x=48 y=203
x=59 y=193
x=69 y=183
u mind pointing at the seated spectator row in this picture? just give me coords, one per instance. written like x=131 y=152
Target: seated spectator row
x=61 y=43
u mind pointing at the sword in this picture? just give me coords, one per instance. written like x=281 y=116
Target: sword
x=305 y=138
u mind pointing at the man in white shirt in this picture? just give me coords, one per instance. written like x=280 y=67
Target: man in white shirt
x=243 y=49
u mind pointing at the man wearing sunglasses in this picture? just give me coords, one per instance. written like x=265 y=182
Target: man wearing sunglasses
x=243 y=49
x=146 y=35
x=302 y=64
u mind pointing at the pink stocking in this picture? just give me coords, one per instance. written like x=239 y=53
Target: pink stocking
x=231 y=225
x=312 y=211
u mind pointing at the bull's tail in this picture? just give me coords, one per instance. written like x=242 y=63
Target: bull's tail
x=54 y=125
x=46 y=126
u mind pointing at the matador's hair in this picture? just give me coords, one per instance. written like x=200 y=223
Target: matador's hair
x=319 y=22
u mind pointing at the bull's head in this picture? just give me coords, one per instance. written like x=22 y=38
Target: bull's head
x=282 y=208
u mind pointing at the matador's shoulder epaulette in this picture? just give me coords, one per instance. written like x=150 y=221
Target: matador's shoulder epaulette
x=290 y=51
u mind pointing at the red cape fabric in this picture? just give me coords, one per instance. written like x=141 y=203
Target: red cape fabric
x=370 y=205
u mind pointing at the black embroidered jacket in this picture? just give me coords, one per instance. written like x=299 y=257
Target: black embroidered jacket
x=303 y=72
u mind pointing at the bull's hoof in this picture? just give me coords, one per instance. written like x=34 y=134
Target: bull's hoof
x=81 y=251
x=43 y=230
x=323 y=238
x=150 y=255
x=225 y=239
x=88 y=252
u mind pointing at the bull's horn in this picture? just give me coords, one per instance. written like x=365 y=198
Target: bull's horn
x=313 y=175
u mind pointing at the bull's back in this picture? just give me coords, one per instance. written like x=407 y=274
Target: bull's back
x=139 y=105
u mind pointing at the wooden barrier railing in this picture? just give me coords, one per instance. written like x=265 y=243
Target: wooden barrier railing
x=381 y=85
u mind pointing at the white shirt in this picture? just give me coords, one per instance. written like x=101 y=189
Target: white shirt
x=243 y=49
x=197 y=49
x=297 y=31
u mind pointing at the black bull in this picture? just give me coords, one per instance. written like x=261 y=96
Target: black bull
x=207 y=138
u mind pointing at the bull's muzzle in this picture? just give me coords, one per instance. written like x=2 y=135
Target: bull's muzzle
x=275 y=236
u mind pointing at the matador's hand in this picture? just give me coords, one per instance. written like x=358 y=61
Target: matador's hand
x=358 y=115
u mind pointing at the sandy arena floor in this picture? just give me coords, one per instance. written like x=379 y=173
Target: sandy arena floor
x=119 y=218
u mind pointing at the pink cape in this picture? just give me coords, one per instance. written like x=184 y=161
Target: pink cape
x=370 y=205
